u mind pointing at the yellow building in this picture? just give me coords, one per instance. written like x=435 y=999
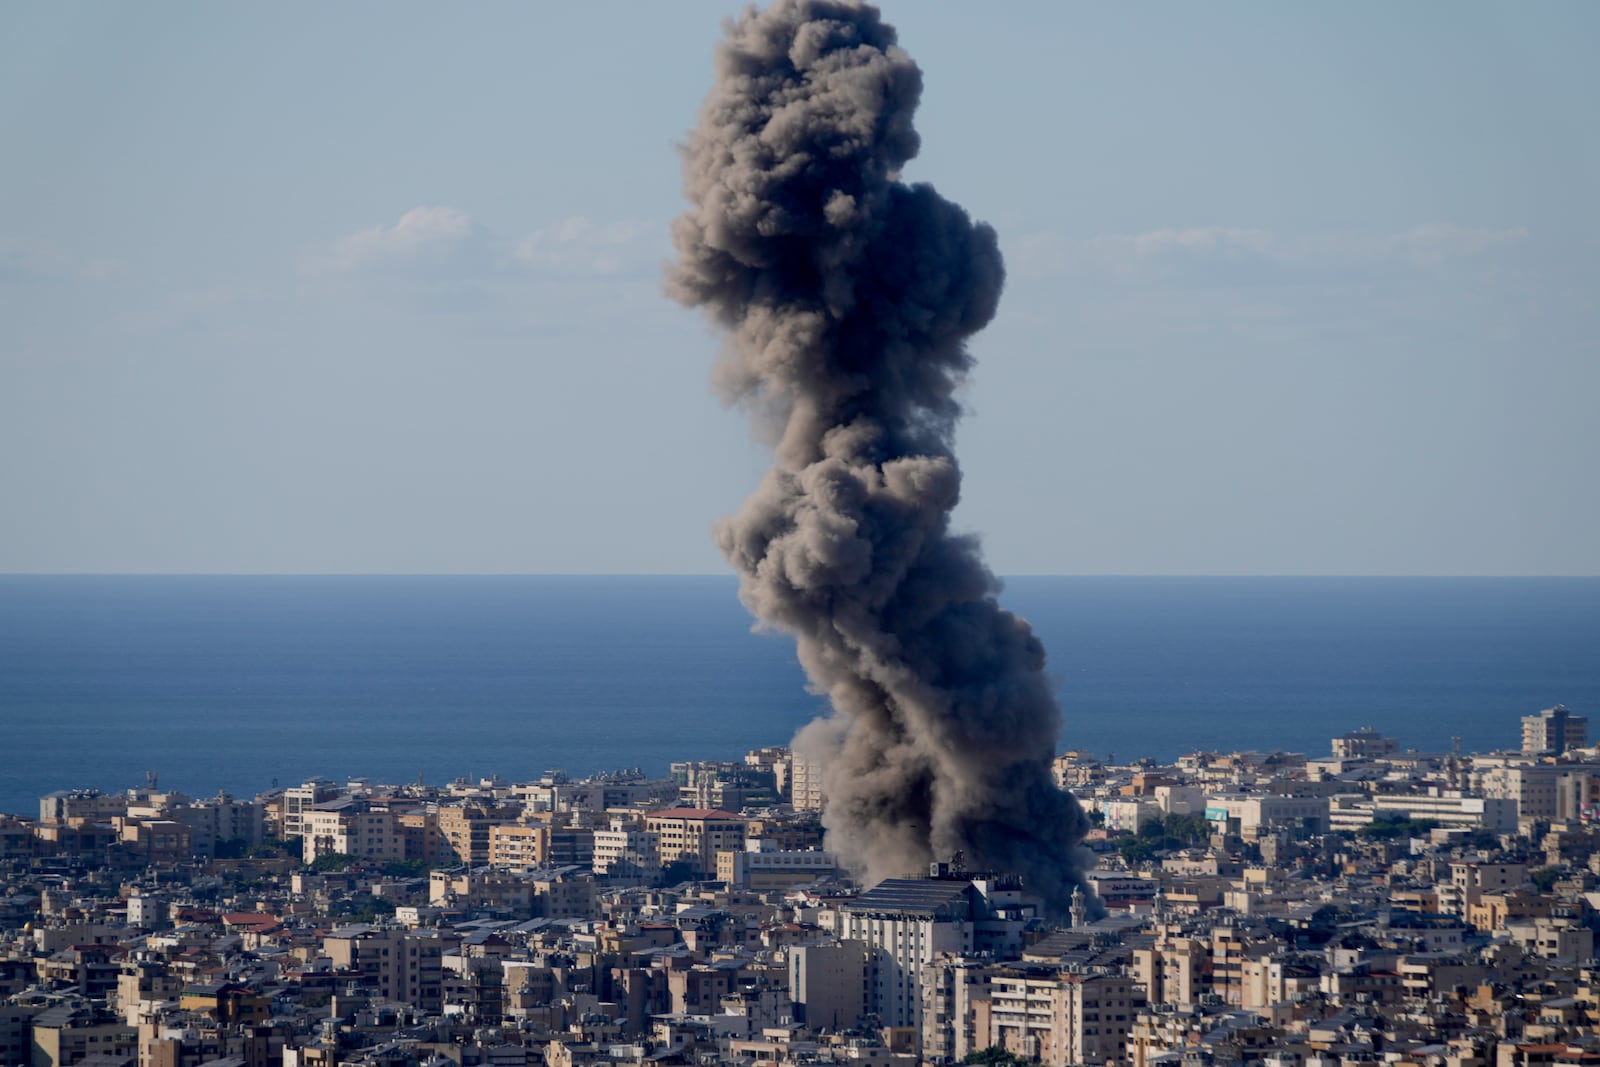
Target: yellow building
x=694 y=836
x=465 y=829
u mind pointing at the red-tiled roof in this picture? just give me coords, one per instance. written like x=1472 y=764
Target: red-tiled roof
x=692 y=813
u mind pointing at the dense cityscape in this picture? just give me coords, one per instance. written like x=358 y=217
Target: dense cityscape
x=1369 y=905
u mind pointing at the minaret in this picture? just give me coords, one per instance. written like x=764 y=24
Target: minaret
x=1078 y=909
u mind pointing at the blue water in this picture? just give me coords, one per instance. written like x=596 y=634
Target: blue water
x=239 y=682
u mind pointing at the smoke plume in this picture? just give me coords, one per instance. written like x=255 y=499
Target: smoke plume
x=849 y=296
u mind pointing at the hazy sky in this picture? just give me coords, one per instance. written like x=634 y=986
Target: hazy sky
x=1303 y=289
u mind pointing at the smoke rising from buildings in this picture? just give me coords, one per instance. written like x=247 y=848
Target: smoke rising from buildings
x=848 y=296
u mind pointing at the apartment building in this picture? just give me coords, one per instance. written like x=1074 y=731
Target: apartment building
x=74 y=807
x=518 y=845
x=1554 y=731
x=1534 y=787
x=754 y=867
x=805 y=783
x=568 y=846
x=694 y=836
x=465 y=829
x=1172 y=969
x=154 y=840
x=423 y=841
x=1448 y=808
x=828 y=984
x=351 y=827
x=299 y=799
x=390 y=962
x=951 y=988
x=906 y=924
x=1251 y=814
x=481 y=887
x=67 y=1034
x=1365 y=743
x=627 y=850
x=224 y=818
x=1048 y=1015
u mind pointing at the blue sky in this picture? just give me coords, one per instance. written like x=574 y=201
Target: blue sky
x=376 y=287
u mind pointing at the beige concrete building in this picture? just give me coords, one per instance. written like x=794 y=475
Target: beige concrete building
x=297 y=800
x=518 y=845
x=1554 y=731
x=766 y=869
x=1533 y=787
x=491 y=887
x=952 y=987
x=805 y=783
x=828 y=984
x=1060 y=1018
x=65 y=1034
x=154 y=840
x=423 y=841
x=465 y=829
x=1251 y=814
x=350 y=827
x=627 y=850
x=695 y=836
x=1171 y=970
x=1560 y=939
x=1365 y=743
x=73 y=807
x=390 y=962
x=1449 y=808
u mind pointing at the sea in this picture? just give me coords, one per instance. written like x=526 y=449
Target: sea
x=242 y=684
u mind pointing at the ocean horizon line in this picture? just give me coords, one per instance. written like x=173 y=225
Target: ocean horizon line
x=1003 y=576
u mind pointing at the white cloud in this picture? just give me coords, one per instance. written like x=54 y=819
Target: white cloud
x=446 y=243
x=581 y=246
x=1161 y=253
x=425 y=240
x=1204 y=238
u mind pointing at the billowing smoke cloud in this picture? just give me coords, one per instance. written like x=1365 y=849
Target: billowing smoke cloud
x=849 y=296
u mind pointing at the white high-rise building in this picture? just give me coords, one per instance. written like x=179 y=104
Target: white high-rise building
x=907 y=923
x=1553 y=731
x=805 y=783
x=627 y=850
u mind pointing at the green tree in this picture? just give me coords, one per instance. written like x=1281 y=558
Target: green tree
x=1136 y=850
x=1388 y=829
x=1160 y=835
x=1190 y=829
x=1544 y=879
x=406 y=868
x=995 y=1056
x=231 y=848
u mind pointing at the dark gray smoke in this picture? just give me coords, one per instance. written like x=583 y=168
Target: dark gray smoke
x=849 y=296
